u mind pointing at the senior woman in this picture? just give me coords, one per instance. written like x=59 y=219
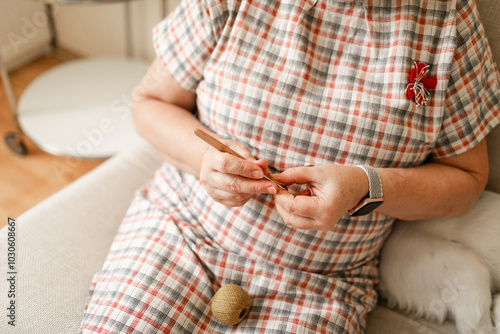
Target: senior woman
x=375 y=110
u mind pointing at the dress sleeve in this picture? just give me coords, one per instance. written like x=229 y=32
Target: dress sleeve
x=473 y=96
x=185 y=40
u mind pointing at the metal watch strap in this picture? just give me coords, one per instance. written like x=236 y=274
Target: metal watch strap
x=374 y=182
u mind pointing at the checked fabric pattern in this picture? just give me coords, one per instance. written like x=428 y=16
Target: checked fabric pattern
x=301 y=83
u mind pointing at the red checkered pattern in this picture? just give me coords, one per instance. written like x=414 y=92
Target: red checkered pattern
x=305 y=82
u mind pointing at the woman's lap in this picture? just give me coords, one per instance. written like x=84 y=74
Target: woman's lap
x=160 y=277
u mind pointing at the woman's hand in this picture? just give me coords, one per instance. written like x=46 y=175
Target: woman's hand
x=332 y=190
x=233 y=181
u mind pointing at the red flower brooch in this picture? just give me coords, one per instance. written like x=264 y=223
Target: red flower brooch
x=418 y=88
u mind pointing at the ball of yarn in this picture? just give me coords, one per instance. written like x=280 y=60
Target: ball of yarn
x=231 y=304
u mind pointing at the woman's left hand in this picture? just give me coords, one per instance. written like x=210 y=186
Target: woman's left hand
x=332 y=191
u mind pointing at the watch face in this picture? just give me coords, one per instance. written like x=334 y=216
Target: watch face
x=366 y=206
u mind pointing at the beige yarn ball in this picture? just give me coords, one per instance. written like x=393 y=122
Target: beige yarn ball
x=231 y=304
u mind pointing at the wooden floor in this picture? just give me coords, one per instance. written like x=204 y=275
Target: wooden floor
x=27 y=180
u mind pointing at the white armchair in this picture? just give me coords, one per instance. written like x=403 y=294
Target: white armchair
x=63 y=241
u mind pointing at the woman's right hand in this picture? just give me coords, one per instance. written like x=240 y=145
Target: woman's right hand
x=232 y=181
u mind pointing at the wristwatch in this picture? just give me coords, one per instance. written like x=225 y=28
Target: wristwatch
x=375 y=196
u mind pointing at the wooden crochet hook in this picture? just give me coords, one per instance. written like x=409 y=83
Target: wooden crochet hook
x=226 y=149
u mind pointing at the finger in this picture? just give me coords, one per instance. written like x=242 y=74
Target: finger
x=241 y=185
x=229 y=164
x=229 y=199
x=298 y=222
x=297 y=175
x=241 y=150
x=262 y=163
x=245 y=152
x=303 y=206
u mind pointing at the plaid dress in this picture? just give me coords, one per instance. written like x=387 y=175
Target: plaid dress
x=301 y=83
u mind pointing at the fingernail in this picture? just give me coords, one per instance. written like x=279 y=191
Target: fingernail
x=258 y=174
x=271 y=190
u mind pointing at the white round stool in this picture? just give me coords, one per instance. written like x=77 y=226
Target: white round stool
x=82 y=108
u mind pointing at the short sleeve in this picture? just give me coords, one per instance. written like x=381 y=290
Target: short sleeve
x=185 y=40
x=473 y=95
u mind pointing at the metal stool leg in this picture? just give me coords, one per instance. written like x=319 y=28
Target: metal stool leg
x=128 y=30
x=12 y=139
x=52 y=26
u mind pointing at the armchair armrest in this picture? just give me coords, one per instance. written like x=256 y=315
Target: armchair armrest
x=64 y=240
